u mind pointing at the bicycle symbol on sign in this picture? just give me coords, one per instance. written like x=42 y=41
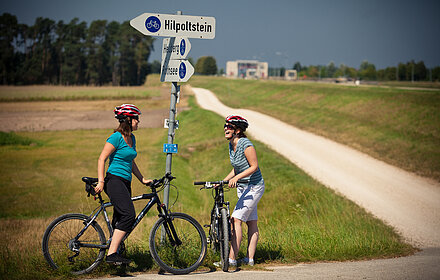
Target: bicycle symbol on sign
x=152 y=24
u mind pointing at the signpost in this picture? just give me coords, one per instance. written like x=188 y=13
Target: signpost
x=175 y=25
x=174 y=68
x=176 y=49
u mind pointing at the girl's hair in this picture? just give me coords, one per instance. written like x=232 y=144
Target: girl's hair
x=241 y=134
x=124 y=127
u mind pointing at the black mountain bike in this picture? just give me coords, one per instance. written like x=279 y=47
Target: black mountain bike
x=76 y=242
x=220 y=227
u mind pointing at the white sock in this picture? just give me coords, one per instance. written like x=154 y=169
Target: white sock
x=232 y=261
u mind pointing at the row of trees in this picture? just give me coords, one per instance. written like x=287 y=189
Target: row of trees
x=410 y=71
x=73 y=53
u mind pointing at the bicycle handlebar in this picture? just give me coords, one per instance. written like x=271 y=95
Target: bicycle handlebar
x=211 y=184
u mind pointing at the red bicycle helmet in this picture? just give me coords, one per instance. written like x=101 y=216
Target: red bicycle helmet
x=126 y=110
x=238 y=121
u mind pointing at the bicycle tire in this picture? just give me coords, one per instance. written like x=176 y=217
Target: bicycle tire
x=214 y=233
x=178 y=259
x=58 y=243
x=224 y=239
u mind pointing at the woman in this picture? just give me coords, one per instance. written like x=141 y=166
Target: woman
x=121 y=148
x=245 y=168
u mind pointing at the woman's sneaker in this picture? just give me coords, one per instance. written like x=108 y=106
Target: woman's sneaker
x=231 y=263
x=247 y=261
x=117 y=259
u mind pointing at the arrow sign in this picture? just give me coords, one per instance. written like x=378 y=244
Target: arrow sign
x=175 y=25
x=176 y=71
x=175 y=48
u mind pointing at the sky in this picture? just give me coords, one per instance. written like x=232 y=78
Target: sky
x=280 y=32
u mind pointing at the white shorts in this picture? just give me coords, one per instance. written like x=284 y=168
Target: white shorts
x=248 y=198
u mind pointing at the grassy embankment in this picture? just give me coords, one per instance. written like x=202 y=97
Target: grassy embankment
x=300 y=220
x=398 y=126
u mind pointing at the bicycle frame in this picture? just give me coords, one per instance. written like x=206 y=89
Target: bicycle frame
x=154 y=199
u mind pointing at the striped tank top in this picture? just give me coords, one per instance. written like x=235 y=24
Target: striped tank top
x=240 y=163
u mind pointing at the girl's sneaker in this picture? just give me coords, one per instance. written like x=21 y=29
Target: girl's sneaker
x=247 y=261
x=231 y=263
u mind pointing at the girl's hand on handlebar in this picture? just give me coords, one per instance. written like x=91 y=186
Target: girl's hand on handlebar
x=146 y=182
x=99 y=187
x=233 y=182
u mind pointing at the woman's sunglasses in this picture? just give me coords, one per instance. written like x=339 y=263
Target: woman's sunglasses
x=135 y=118
x=228 y=126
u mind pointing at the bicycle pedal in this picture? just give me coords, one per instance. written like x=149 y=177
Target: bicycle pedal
x=207 y=226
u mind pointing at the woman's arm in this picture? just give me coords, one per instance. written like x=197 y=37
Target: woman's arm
x=138 y=174
x=230 y=175
x=251 y=156
x=106 y=152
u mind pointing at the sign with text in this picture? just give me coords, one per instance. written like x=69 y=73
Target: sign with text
x=175 y=48
x=178 y=70
x=175 y=25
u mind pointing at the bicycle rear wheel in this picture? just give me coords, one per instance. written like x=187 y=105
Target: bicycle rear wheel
x=224 y=239
x=63 y=252
x=171 y=256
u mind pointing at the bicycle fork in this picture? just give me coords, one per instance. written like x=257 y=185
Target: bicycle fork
x=169 y=226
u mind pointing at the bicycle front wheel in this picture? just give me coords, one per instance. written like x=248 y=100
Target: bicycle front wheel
x=64 y=251
x=224 y=239
x=178 y=245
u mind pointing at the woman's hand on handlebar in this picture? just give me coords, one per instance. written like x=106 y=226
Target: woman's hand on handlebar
x=233 y=182
x=147 y=182
x=99 y=187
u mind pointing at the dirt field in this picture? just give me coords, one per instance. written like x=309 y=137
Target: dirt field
x=69 y=115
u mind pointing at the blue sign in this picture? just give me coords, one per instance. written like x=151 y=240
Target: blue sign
x=152 y=24
x=182 y=47
x=182 y=70
x=170 y=148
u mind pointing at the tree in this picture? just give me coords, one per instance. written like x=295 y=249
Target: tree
x=367 y=71
x=206 y=65
x=155 y=67
x=436 y=74
x=331 y=70
x=8 y=32
x=297 y=67
x=97 y=72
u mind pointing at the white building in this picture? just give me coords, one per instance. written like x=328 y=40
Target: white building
x=248 y=69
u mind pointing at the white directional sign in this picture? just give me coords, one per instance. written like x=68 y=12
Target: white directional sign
x=175 y=48
x=176 y=71
x=175 y=25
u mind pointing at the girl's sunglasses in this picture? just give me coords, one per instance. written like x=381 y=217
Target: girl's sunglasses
x=228 y=126
x=135 y=118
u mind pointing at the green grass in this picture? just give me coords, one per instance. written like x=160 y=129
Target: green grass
x=401 y=127
x=12 y=139
x=300 y=220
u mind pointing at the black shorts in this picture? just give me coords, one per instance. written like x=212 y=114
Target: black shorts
x=118 y=190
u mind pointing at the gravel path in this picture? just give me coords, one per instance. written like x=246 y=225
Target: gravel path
x=405 y=201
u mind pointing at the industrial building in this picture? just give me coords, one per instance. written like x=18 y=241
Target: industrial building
x=247 y=69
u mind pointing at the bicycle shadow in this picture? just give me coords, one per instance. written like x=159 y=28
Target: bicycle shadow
x=141 y=261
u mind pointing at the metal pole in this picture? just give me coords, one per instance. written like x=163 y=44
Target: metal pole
x=175 y=90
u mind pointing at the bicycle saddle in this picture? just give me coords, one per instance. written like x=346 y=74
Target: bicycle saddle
x=89 y=180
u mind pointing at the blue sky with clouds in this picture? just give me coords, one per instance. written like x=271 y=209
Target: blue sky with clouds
x=280 y=32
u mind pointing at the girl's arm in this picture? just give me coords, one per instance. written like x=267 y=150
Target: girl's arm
x=138 y=174
x=106 y=152
x=230 y=175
